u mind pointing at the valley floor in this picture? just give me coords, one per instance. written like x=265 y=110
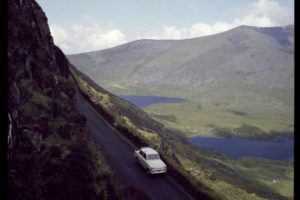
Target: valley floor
x=223 y=119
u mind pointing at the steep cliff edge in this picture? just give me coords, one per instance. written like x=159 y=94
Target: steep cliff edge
x=50 y=152
x=37 y=79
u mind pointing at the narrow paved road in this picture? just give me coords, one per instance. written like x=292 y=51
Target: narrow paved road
x=119 y=155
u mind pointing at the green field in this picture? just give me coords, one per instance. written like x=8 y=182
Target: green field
x=253 y=122
x=277 y=175
x=216 y=118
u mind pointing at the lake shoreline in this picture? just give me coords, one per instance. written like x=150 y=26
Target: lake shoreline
x=279 y=148
x=254 y=138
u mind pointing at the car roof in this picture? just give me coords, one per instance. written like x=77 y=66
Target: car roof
x=149 y=150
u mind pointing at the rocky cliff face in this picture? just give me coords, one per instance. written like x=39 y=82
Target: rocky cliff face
x=50 y=154
x=37 y=72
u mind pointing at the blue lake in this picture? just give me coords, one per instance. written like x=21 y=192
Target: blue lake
x=280 y=148
x=143 y=101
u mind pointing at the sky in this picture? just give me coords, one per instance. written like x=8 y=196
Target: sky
x=89 y=25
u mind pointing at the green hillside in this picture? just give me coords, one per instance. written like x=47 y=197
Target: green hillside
x=196 y=169
x=245 y=70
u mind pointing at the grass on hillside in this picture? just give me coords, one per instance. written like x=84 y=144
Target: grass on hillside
x=205 y=119
x=227 y=190
x=277 y=175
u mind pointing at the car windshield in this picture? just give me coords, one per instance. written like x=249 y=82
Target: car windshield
x=153 y=156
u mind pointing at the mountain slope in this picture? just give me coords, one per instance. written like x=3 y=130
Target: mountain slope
x=50 y=151
x=247 y=70
x=221 y=65
x=186 y=163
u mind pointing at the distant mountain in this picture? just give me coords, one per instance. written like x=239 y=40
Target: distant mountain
x=246 y=62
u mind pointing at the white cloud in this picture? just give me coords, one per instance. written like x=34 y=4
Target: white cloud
x=61 y=37
x=86 y=37
x=277 y=14
x=263 y=13
x=251 y=20
x=92 y=36
x=202 y=29
x=167 y=32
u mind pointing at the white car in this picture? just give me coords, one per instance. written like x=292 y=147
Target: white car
x=150 y=160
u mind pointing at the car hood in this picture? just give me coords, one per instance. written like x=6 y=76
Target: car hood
x=156 y=163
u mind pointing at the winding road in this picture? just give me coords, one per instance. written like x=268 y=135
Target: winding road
x=119 y=155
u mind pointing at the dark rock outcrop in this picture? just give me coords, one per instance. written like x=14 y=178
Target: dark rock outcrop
x=50 y=153
x=37 y=69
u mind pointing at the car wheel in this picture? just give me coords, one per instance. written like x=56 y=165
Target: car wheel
x=148 y=172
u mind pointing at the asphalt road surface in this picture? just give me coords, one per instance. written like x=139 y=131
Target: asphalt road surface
x=119 y=155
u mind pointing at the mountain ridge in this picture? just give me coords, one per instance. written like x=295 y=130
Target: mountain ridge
x=250 y=56
x=286 y=27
